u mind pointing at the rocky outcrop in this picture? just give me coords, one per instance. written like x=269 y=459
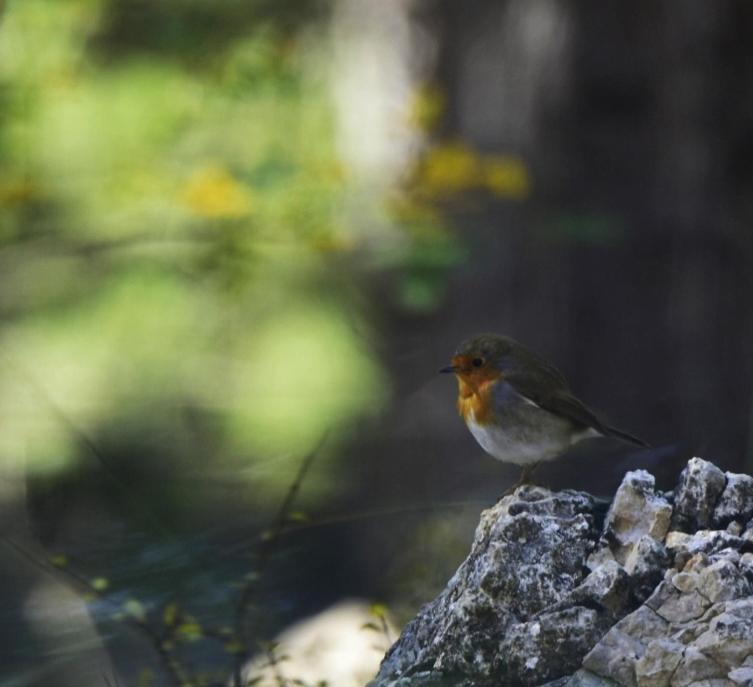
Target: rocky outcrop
x=561 y=589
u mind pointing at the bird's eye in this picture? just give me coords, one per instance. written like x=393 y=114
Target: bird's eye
x=477 y=362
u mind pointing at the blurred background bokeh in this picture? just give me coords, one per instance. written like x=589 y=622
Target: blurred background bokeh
x=233 y=233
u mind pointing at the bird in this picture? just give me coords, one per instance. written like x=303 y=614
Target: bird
x=518 y=407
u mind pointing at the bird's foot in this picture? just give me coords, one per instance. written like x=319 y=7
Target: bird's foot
x=511 y=490
x=525 y=478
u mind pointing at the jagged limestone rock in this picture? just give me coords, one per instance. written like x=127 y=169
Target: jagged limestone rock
x=645 y=565
x=637 y=512
x=491 y=620
x=736 y=501
x=701 y=483
x=701 y=627
x=548 y=596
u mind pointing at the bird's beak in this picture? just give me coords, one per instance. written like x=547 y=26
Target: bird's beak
x=448 y=370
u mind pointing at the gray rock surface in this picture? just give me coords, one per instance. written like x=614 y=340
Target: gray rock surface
x=701 y=483
x=736 y=501
x=657 y=591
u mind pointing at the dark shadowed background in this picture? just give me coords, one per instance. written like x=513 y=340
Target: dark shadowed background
x=233 y=233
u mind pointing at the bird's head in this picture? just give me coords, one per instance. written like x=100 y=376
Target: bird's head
x=481 y=360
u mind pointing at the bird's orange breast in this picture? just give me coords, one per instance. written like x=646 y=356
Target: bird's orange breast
x=475 y=397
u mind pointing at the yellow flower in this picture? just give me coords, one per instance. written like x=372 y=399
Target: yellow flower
x=214 y=192
x=450 y=168
x=506 y=177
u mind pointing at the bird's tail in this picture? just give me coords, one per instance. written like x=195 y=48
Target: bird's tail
x=624 y=436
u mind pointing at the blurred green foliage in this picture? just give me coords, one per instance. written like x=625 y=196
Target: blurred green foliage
x=180 y=232
x=171 y=229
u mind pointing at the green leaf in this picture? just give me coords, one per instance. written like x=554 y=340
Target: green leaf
x=59 y=560
x=379 y=610
x=298 y=516
x=100 y=584
x=135 y=609
x=234 y=647
x=189 y=631
x=170 y=614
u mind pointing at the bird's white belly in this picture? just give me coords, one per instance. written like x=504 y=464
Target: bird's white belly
x=500 y=444
x=535 y=435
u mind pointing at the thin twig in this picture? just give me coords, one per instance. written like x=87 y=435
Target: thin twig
x=274 y=664
x=81 y=582
x=268 y=547
x=385 y=630
x=345 y=518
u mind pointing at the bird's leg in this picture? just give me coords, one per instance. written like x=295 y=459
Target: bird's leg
x=525 y=478
x=527 y=473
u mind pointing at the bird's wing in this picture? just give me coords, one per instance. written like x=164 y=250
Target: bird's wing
x=550 y=392
x=566 y=405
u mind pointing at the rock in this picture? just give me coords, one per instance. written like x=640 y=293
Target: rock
x=729 y=638
x=637 y=511
x=584 y=678
x=659 y=662
x=528 y=554
x=615 y=655
x=735 y=527
x=735 y=502
x=608 y=586
x=546 y=597
x=646 y=564
x=534 y=652
x=695 y=667
x=676 y=606
x=724 y=579
x=701 y=484
x=741 y=676
x=684 y=546
x=706 y=621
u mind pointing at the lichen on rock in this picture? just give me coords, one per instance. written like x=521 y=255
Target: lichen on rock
x=659 y=593
x=701 y=483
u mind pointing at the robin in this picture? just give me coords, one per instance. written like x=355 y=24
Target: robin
x=518 y=406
